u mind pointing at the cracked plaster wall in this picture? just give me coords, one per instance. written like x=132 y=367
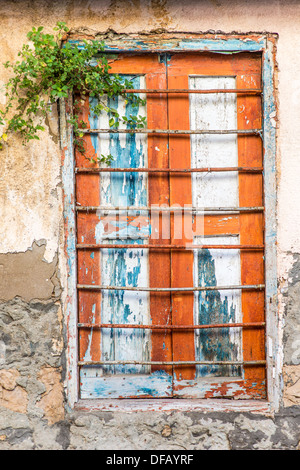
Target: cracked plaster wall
x=32 y=264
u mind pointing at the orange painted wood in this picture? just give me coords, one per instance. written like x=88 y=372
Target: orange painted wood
x=181 y=194
x=247 y=70
x=87 y=191
x=251 y=225
x=158 y=193
x=176 y=269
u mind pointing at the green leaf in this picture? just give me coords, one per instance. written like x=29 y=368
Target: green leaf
x=47 y=69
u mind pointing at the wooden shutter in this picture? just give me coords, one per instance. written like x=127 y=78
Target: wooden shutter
x=170 y=268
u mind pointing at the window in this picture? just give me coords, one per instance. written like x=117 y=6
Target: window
x=171 y=282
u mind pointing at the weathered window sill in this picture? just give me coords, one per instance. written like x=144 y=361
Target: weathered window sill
x=183 y=405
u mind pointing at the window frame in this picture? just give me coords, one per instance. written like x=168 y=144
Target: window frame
x=265 y=44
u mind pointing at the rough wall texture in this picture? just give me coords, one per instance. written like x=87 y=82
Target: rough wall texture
x=32 y=263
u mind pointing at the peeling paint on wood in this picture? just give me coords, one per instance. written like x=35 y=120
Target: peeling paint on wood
x=160 y=44
x=217 y=267
x=225 y=46
x=122 y=267
x=155 y=385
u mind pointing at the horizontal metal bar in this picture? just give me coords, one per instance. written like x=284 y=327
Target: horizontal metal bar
x=171 y=131
x=108 y=236
x=169 y=209
x=172 y=327
x=170 y=289
x=170 y=170
x=241 y=91
x=169 y=247
x=171 y=363
x=257 y=46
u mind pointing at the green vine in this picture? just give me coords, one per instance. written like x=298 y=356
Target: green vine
x=53 y=69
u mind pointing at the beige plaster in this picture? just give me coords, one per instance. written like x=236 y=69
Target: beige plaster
x=32 y=209
x=26 y=274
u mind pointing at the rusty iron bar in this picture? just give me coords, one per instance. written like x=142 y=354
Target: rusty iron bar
x=243 y=91
x=172 y=327
x=171 y=131
x=99 y=246
x=169 y=209
x=108 y=236
x=170 y=289
x=171 y=363
x=170 y=170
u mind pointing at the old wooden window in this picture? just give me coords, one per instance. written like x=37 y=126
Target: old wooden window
x=188 y=275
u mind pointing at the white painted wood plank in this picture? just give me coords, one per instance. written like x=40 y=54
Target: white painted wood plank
x=214 y=112
x=215 y=267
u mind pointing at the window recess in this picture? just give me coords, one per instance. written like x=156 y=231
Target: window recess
x=170 y=238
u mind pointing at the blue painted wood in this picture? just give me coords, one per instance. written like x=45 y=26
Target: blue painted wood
x=158 y=384
x=270 y=184
x=216 y=344
x=123 y=267
x=215 y=267
x=224 y=45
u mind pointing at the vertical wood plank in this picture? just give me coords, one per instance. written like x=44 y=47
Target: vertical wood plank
x=181 y=194
x=251 y=225
x=131 y=267
x=216 y=267
x=246 y=68
x=159 y=260
x=87 y=193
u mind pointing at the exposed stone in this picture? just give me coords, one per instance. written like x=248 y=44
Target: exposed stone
x=20 y=438
x=8 y=378
x=291 y=377
x=291 y=339
x=51 y=401
x=30 y=334
x=167 y=431
x=12 y=396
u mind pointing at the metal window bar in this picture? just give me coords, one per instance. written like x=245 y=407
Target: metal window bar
x=240 y=91
x=171 y=131
x=169 y=247
x=172 y=327
x=172 y=363
x=170 y=289
x=170 y=170
x=170 y=209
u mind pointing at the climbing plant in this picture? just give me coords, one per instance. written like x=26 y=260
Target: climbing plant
x=52 y=68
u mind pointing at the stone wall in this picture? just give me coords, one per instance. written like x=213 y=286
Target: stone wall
x=33 y=409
